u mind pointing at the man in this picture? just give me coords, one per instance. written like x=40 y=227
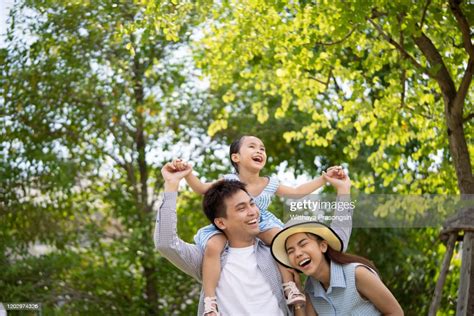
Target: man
x=245 y=286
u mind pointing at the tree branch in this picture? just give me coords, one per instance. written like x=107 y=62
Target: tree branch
x=338 y=41
x=463 y=24
x=127 y=166
x=404 y=53
x=377 y=14
x=454 y=43
x=423 y=15
x=326 y=84
x=428 y=117
x=403 y=71
x=140 y=139
x=442 y=75
x=458 y=102
x=338 y=88
x=109 y=154
x=467 y=118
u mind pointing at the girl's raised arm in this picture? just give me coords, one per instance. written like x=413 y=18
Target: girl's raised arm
x=309 y=187
x=197 y=185
x=301 y=190
x=194 y=182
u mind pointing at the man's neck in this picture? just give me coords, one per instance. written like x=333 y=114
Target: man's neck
x=241 y=243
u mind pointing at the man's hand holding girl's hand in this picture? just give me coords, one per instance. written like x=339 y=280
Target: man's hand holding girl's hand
x=172 y=174
x=181 y=165
x=335 y=172
x=338 y=179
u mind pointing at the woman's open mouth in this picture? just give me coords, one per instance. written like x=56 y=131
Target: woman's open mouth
x=303 y=263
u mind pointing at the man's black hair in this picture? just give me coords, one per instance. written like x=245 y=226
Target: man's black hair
x=213 y=203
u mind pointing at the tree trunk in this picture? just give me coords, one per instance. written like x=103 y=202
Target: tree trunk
x=460 y=154
x=149 y=269
x=453 y=107
x=462 y=164
x=151 y=283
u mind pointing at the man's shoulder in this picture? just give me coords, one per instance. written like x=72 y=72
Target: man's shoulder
x=260 y=243
x=262 y=249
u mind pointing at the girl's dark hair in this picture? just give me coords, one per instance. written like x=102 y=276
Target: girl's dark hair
x=344 y=258
x=234 y=149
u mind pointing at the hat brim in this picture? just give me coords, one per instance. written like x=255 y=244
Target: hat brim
x=278 y=248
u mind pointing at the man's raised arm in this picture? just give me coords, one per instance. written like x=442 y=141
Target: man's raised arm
x=342 y=227
x=186 y=257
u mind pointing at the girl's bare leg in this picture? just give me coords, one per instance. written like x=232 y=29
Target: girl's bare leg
x=211 y=266
x=293 y=294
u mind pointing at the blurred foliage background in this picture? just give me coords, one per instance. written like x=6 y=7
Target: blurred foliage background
x=97 y=95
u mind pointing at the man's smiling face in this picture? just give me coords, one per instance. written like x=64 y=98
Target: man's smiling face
x=242 y=217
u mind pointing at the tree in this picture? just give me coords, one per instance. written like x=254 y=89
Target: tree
x=93 y=96
x=386 y=83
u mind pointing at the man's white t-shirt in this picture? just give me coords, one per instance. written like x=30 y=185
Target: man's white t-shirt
x=242 y=288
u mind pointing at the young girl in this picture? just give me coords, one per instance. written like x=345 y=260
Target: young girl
x=338 y=283
x=248 y=157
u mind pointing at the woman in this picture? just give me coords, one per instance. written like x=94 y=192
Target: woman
x=338 y=283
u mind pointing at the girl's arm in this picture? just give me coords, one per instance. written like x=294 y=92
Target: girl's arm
x=372 y=288
x=196 y=185
x=301 y=190
x=309 y=187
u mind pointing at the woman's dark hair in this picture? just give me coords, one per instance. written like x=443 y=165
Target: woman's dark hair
x=235 y=149
x=342 y=257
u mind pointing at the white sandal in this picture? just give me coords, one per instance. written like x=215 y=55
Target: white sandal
x=294 y=295
x=210 y=305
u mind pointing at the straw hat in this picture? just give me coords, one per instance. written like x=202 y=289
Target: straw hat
x=297 y=226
